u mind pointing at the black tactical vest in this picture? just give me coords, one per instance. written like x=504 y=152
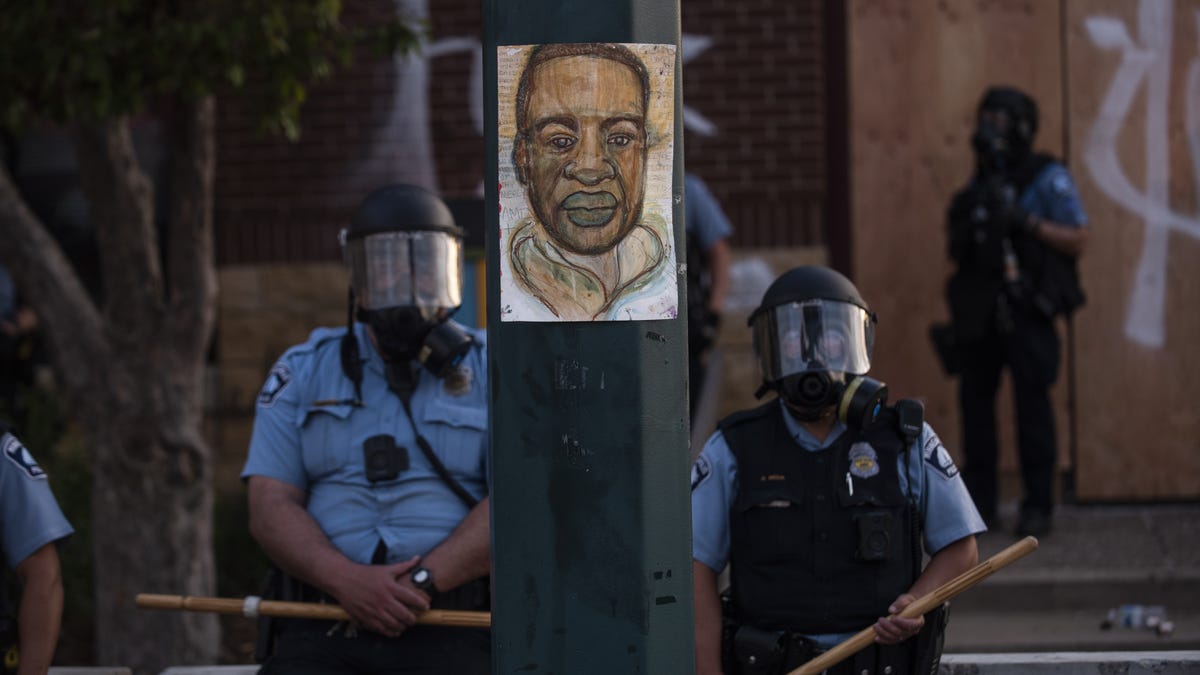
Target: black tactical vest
x=822 y=542
x=1050 y=280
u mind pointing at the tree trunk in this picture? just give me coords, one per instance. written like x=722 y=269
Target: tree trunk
x=153 y=534
x=132 y=374
x=152 y=499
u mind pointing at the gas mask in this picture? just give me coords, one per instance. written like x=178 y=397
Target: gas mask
x=405 y=285
x=1005 y=129
x=994 y=150
x=813 y=395
x=815 y=354
x=403 y=334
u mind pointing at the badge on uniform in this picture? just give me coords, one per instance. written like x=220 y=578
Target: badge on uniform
x=17 y=454
x=458 y=381
x=277 y=381
x=864 y=463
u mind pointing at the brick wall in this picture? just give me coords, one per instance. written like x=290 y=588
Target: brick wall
x=760 y=82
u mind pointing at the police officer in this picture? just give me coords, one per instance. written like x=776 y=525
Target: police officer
x=708 y=231
x=1015 y=232
x=367 y=470
x=32 y=527
x=820 y=500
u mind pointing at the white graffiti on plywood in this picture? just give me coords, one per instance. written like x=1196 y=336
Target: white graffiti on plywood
x=1149 y=58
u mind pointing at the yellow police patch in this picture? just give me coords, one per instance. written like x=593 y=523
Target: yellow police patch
x=864 y=463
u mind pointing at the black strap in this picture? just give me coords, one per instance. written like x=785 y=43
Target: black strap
x=910 y=421
x=403 y=383
x=443 y=473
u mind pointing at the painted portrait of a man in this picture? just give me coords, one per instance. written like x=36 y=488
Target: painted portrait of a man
x=586 y=241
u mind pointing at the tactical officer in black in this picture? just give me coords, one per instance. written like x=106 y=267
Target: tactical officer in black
x=1015 y=232
x=822 y=501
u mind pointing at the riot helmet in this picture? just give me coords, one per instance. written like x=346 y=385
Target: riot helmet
x=1006 y=123
x=813 y=335
x=404 y=254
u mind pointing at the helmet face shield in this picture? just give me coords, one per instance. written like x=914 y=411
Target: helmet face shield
x=422 y=269
x=813 y=336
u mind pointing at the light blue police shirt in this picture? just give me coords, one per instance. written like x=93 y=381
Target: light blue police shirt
x=30 y=518
x=1052 y=196
x=703 y=216
x=947 y=511
x=307 y=434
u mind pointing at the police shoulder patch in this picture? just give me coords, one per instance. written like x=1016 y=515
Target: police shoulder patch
x=1060 y=183
x=701 y=470
x=864 y=463
x=938 y=457
x=277 y=380
x=17 y=454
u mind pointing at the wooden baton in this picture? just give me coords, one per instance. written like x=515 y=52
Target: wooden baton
x=253 y=606
x=922 y=605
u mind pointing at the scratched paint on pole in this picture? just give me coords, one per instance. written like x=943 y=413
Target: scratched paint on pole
x=586 y=159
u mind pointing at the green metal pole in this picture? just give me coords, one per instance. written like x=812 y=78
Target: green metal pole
x=591 y=520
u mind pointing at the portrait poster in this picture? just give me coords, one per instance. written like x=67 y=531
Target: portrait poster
x=586 y=159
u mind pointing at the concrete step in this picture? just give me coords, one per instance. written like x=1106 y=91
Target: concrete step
x=1096 y=558
x=1073 y=663
x=1004 y=595
x=1070 y=630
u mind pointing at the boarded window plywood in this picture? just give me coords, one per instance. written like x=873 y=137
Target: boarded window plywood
x=1134 y=83
x=917 y=71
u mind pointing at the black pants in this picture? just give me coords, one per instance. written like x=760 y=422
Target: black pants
x=1031 y=353
x=306 y=647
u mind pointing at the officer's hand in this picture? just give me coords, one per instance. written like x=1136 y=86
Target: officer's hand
x=379 y=598
x=893 y=628
x=1017 y=220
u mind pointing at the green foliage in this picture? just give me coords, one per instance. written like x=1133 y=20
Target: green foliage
x=81 y=60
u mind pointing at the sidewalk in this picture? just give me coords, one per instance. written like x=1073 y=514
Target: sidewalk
x=1097 y=557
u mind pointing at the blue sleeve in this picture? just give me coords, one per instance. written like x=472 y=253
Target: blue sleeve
x=704 y=217
x=1057 y=198
x=714 y=488
x=30 y=517
x=946 y=507
x=275 y=449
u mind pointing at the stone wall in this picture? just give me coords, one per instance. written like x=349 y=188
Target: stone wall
x=262 y=310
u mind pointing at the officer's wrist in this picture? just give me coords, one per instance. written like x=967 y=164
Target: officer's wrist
x=422 y=578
